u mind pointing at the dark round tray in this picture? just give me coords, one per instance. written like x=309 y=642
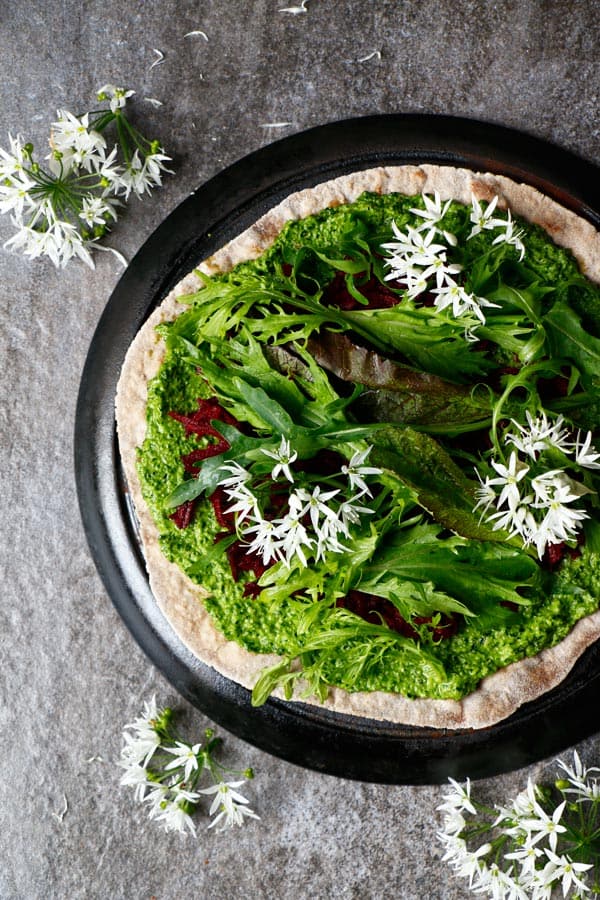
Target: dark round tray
x=218 y=210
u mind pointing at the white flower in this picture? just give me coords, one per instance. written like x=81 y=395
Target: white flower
x=96 y=210
x=246 y=504
x=166 y=805
x=349 y=513
x=481 y=219
x=461 y=301
x=411 y=249
x=415 y=283
x=284 y=457
x=459 y=798
x=232 y=806
x=540 y=434
x=267 y=540
x=563 y=868
x=118 y=96
x=518 y=521
x=543 y=825
x=508 y=478
x=443 y=272
x=135 y=776
x=485 y=493
x=11 y=163
x=78 y=144
x=554 y=488
x=357 y=472
x=509 y=235
x=433 y=213
x=16 y=195
x=314 y=503
x=141 y=745
x=140 y=176
x=585 y=453
x=185 y=756
x=294 y=537
x=578 y=775
x=237 y=475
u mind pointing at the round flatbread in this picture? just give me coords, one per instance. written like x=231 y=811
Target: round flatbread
x=180 y=599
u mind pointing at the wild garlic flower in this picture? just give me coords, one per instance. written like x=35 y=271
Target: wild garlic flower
x=62 y=211
x=166 y=780
x=540 y=434
x=481 y=219
x=186 y=757
x=538 y=504
x=537 y=844
x=433 y=214
x=117 y=96
x=284 y=457
x=231 y=806
x=508 y=235
x=357 y=471
x=311 y=517
x=461 y=301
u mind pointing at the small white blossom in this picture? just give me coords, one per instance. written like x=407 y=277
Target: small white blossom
x=542 y=825
x=433 y=214
x=78 y=144
x=186 y=756
x=294 y=538
x=232 y=807
x=166 y=805
x=455 y=296
x=118 y=96
x=315 y=504
x=135 y=776
x=143 y=741
x=284 y=457
x=480 y=218
x=96 y=210
x=509 y=236
x=141 y=175
x=459 y=798
x=564 y=869
x=357 y=471
x=540 y=434
x=508 y=478
x=266 y=541
x=586 y=454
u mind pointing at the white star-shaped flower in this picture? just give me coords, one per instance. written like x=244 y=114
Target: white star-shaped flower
x=186 y=757
x=284 y=457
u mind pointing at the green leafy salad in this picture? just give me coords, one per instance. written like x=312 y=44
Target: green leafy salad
x=374 y=447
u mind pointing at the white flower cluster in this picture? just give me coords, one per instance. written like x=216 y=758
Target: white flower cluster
x=316 y=520
x=168 y=788
x=63 y=212
x=415 y=258
x=532 y=504
x=530 y=850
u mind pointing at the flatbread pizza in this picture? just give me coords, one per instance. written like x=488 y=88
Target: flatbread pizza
x=359 y=441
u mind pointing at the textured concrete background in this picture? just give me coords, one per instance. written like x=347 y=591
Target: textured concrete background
x=70 y=674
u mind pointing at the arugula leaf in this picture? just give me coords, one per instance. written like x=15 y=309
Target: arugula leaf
x=568 y=339
x=340 y=639
x=478 y=575
x=430 y=340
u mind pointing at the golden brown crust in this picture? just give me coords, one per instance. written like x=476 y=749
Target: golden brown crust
x=180 y=599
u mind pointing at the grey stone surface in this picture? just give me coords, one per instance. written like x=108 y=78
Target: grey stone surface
x=71 y=675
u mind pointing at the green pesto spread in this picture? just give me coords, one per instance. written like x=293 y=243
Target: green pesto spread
x=265 y=627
